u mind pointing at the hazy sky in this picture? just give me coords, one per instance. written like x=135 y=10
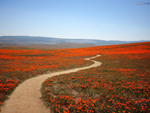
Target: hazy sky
x=86 y=19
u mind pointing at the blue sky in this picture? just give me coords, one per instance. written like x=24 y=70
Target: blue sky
x=86 y=19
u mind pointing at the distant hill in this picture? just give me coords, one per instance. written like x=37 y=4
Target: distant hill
x=37 y=40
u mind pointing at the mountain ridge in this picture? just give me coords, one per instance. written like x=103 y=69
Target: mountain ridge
x=19 y=40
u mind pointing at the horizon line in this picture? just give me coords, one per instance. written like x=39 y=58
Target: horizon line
x=71 y=38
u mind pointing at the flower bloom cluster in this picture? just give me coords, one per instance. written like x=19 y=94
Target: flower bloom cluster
x=6 y=86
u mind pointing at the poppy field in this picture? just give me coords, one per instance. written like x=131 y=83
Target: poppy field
x=17 y=65
x=120 y=85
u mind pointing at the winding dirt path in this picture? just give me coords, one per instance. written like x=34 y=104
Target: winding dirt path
x=26 y=97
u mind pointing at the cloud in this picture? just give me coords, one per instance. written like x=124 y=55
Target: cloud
x=144 y=3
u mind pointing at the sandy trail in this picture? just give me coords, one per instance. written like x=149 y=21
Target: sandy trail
x=26 y=97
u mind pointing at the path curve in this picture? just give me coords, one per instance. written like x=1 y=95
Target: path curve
x=26 y=97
